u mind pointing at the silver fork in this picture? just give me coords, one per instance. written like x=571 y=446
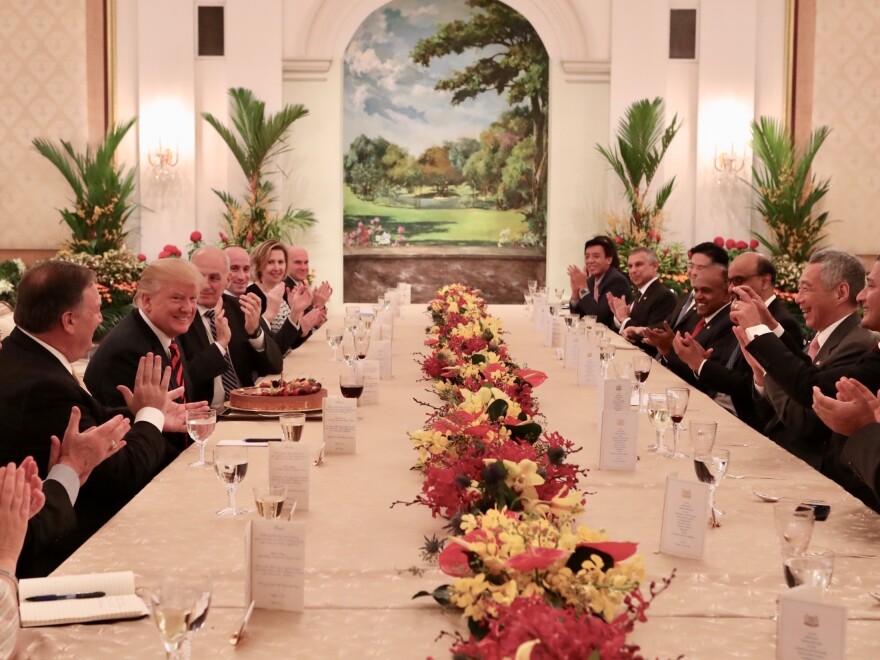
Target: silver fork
x=752 y=476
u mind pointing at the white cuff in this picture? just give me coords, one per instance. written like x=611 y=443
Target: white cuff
x=757 y=331
x=152 y=415
x=68 y=478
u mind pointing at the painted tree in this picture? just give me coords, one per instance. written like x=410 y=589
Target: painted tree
x=515 y=62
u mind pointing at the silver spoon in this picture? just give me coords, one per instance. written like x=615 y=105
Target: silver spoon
x=875 y=595
x=770 y=498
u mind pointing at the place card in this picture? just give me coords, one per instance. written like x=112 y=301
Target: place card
x=614 y=395
x=547 y=328
x=810 y=626
x=617 y=443
x=589 y=370
x=289 y=466
x=405 y=291
x=385 y=317
x=685 y=518
x=372 y=374
x=560 y=353
x=381 y=352
x=393 y=297
x=558 y=336
x=540 y=305
x=571 y=350
x=275 y=554
x=340 y=425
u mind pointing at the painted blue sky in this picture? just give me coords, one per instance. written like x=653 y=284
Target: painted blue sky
x=386 y=94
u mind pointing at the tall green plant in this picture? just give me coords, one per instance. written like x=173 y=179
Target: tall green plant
x=101 y=191
x=786 y=191
x=257 y=140
x=642 y=141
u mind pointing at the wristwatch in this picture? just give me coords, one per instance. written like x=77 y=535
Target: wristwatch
x=256 y=334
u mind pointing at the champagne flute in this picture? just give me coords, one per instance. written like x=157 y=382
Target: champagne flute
x=334 y=339
x=200 y=426
x=711 y=467
x=658 y=413
x=231 y=463
x=533 y=286
x=794 y=528
x=702 y=435
x=201 y=585
x=641 y=368
x=172 y=603
x=606 y=355
x=677 y=398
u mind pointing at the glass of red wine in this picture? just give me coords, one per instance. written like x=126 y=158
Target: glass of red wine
x=351 y=381
x=677 y=400
x=641 y=368
x=362 y=345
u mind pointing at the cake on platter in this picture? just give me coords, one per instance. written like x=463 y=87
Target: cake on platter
x=279 y=396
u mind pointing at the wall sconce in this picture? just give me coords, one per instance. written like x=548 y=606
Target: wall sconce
x=728 y=163
x=163 y=162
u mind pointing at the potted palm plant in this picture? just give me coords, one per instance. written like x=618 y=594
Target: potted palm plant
x=256 y=140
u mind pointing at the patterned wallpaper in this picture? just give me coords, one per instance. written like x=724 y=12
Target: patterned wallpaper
x=846 y=97
x=42 y=94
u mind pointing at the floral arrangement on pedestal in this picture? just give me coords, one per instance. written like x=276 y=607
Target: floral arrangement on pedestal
x=11 y=271
x=524 y=574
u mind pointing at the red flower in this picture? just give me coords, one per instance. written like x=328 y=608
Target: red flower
x=618 y=240
x=741 y=245
x=531 y=376
x=535 y=559
x=730 y=244
x=224 y=237
x=754 y=243
x=196 y=236
x=142 y=257
x=719 y=241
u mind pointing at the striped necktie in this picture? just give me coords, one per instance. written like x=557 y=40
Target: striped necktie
x=229 y=377
x=176 y=369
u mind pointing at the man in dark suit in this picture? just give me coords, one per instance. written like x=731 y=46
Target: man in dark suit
x=228 y=343
x=298 y=274
x=712 y=331
x=166 y=305
x=601 y=276
x=653 y=302
x=732 y=381
x=58 y=310
x=828 y=293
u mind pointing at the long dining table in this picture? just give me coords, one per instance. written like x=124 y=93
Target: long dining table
x=363 y=563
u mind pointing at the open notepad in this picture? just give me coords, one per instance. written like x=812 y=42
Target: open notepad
x=120 y=601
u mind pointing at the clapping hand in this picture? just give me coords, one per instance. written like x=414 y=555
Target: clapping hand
x=221 y=325
x=250 y=307
x=312 y=319
x=298 y=298
x=619 y=306
x=757 y=370
x=321 y=294
x=578 y=279
x=32 y=477
x=150 y=385
x=854 y=407
x=748 y=309
x=83 y=451
x=15 y=509
x=690 y=350
x=274 y=296
x=660 y=338
x=175 y=413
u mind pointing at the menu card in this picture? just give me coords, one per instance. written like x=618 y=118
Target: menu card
x=540 y=305
x=614 y=395
x=405 y=291
x=340 y=425
x=558 y=334
x=289 y=466
x=589 y=370
x=386 y=318
x=810 y=626
x=393 y=297
x=275 y=552
x=685 y=516
x=381 y=351
x=372 y=374
x=571 y=350
x=617 y=444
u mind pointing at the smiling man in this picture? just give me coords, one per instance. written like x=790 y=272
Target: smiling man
x=239 y=270
x=601 y=276
x=654 y=301
x=166 y=305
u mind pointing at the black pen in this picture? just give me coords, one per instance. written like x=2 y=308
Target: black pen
x=262 y=439
x=48 y=597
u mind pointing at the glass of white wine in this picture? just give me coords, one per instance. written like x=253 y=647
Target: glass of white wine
x=269 y=500
x=200 y=426
x=334 y=339
x=606 y=355
x=658 y=413
x=231 y=463
x=200 y=582
x=172 y=604
x=711 y=466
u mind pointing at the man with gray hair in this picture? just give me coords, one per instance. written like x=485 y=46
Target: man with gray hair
x=827 y=295
x=166 y=305
x=653 y=302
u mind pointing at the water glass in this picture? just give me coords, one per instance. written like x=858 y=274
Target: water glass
x=794 y=528
x=815 y=568
x=269 y=500
x=703 y=435
x=292 y=425
x=200 y=426
x=231 y=463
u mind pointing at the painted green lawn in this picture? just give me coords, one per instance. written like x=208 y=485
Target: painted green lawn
x=433 y=226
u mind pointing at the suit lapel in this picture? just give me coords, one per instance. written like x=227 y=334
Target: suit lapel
x=834 y=339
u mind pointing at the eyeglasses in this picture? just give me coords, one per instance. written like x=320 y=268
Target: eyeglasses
x=739 y=281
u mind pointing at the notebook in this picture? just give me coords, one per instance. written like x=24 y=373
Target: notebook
x=120 y=601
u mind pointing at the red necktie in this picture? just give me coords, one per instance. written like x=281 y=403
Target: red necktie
x=700 y=324
x=176 y=369
x=813 y=349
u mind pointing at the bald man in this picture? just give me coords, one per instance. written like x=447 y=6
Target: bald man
x=239 y=270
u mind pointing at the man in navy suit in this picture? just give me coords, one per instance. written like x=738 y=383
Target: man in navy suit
x=228 y=343
x=601 y=276
x=653 y=303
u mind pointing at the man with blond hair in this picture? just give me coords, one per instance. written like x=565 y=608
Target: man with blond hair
x=166 y=305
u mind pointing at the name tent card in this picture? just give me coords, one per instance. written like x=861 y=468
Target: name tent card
x=685 y=518
x=372 y=374
x=405 y=291
x=275 y=552
x=289 y=466
x=617 y=444
x=589 y=372
x=382 y=355
x=810 y=626
x=340 y=425
x=571 y=350
x=558 y=335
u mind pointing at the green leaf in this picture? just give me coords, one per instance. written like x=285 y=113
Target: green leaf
x=529 y=432
x=497 y=409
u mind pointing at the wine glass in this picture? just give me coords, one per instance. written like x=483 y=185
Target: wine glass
x=814 y=567
x=231 y=463
x=589 y=321
x=606 y=354
x=702 y=435
x=677 y=398
x=711 y=467
x=351 y=382
x=559 y=293
x=362 y=345
x=200 y=426
x=794 y=527
x=641 y=368
x=201 y=585
x=533 y=286
x=172 y=604
x=334 y=339
x=528 y=300
x=658 y=413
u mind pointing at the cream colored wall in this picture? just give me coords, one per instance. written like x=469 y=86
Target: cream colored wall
x=846 y=97
x=42 y=94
